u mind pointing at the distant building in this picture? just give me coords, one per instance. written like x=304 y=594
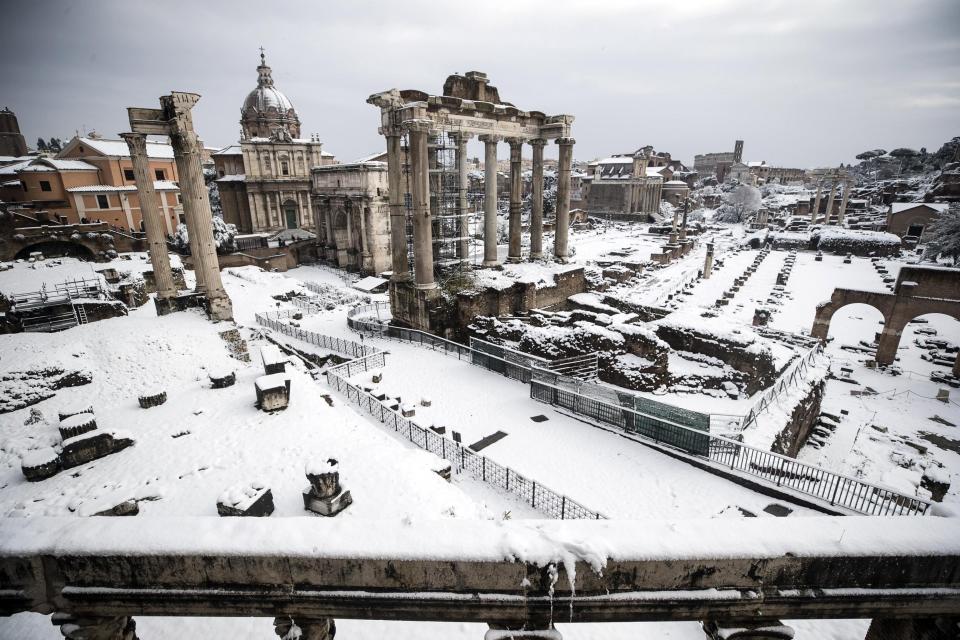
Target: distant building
x=92 y=180
x=914 y=218
x=631 y=183
x=265 y=179
x=765 y=174
x=12 y=142
x=718 y=164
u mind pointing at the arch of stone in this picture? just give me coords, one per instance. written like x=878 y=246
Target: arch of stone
x=919 y=291
x=175 y=120
x=469 y=106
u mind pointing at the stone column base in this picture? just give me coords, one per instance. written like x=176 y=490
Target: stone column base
x=220 y=308
x=747 y=630
x=327 y=506
x=289 y=629
x=95 y=628
x=536 y=256
x=165 y=306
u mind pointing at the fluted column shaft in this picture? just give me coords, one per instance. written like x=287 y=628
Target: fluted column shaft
x=833 y=191
x=189 y=206
x=189 y=149
x=816 y=204
x=536 y=201
x=490 y=201
x=419 y=131
x=562 y=230
x=514 y=253
x=153 y=224
x=843 y=202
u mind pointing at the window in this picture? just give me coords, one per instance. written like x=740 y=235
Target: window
x=128 y=174
x=102 y=202
x=23 y=184
x=160 y=174
x=179 y=199
x=44 y=185
x=285 y=168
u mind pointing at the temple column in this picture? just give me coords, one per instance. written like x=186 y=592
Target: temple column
x=515 y=253
x=843 y=202
x=490 y=201
x=536 y=200
x=816 y=204
x=833 y=192
x=153 y=225
x=419 y=131
x=398 y=222
x=708 y=262
x=188 y=204
x=463 y=225
x=562 y=226
x=683 y=228
x=187 y=149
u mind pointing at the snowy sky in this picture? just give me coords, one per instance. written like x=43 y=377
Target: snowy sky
x=803 y=83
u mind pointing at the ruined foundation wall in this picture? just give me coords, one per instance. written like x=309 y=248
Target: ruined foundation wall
x=794 y=435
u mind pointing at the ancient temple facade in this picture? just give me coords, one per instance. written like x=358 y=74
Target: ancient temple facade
x=264 y=179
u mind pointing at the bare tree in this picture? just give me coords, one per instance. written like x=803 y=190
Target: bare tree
x=739 y=204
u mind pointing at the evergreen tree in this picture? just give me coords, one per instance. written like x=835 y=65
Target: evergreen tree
x=945 y=234
x=41 y=145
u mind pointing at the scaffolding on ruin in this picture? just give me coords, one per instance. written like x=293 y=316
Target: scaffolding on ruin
x=452 y=226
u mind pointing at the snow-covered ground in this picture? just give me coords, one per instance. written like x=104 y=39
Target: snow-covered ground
x=203 y=440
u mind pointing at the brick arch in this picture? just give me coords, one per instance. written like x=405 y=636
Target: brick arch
x=843 y=297
x=57 y=248
x=897 y=308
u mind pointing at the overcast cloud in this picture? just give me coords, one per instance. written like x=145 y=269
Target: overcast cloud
x=807 y=83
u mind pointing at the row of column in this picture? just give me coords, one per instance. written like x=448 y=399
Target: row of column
x=199 y=218
x=830 y=200
x=418 y=132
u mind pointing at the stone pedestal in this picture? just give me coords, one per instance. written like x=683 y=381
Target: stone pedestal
x=251 y=500
x=90 y=446
x=747 y=630
x=325 y=495
x=95 y=627
x=152 y=399
x=77 y=424
x=415 y=308
x=273 y=392
x=305 y=629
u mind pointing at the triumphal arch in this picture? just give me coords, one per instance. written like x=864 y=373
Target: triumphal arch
x=469 y=106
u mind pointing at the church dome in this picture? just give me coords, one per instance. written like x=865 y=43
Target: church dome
x=267 y=109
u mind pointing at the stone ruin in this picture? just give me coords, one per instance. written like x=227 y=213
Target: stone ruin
x=325 y=495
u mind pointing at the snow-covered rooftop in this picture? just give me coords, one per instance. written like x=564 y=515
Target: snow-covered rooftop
x=897 y=207
x=158 y=185
x=119 y=148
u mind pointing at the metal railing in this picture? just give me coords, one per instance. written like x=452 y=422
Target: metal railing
x=793 y=375
x=461 y=457
x=837 y=489
x=340 y=345
x=782 y=471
